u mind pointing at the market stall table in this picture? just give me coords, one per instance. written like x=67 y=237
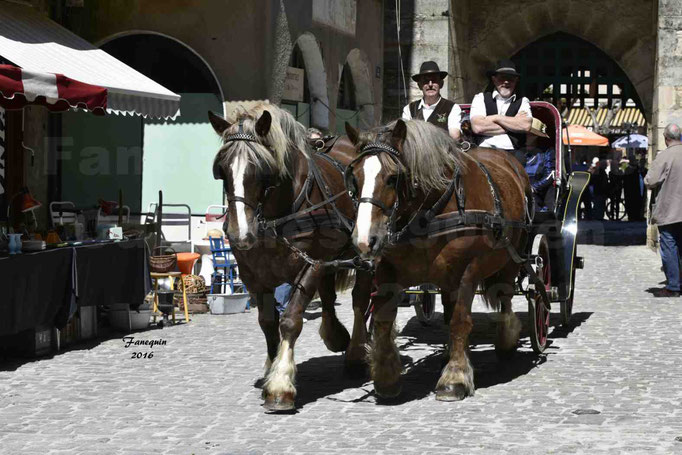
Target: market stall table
x=47 y=287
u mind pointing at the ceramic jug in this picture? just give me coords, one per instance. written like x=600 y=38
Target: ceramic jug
x=14 y=243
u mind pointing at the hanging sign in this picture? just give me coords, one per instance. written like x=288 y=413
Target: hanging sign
x=293 y=84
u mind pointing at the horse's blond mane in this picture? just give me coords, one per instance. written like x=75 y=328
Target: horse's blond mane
x=285 y=138
x=429 y=153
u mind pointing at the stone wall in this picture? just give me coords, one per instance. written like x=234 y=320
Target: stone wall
x=488 y=30
x=247 y=44
x=424 y=35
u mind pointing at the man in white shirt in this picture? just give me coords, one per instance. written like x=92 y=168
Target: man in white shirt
x=432 y=107
x=499 y=117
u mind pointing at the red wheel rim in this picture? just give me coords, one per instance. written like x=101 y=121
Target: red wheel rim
x=541 y=320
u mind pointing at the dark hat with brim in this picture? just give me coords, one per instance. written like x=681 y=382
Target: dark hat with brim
x=428 y=69
x=504 y=67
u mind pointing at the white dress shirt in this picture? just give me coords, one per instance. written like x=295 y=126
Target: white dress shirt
x=454 y=119
x=500 y=141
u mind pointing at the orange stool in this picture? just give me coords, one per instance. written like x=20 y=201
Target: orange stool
x=186 y=262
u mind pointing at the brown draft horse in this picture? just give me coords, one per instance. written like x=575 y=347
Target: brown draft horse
x=392 y=187
x=264 y=163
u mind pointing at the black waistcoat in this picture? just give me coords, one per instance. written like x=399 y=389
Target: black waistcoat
x=438 y=117
x=518 y=140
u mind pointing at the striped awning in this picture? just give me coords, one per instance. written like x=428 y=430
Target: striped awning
x=581 y=116
x=35 y=43
x=57 y=92
x=628 y=115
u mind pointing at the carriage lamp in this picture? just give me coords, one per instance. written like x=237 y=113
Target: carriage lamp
x=28 y=204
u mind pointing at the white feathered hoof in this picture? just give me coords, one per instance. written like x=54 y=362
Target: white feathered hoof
x=284 y=402
x=455 y=384
x=452 y=392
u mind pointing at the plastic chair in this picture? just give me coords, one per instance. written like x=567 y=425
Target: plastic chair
x=224 y=267
x=58 y=217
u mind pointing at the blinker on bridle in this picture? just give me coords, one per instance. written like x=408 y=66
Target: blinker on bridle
x=372 y=148
x=242 y=136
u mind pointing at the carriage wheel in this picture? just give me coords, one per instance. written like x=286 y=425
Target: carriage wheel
x=425 y=306
x=538 y=315
x=566 y=306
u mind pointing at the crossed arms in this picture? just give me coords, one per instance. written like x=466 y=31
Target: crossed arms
x=492 y=125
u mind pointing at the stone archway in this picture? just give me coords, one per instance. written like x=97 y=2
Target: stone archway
x=316 y=75
x=364 y=94
x=496 y=30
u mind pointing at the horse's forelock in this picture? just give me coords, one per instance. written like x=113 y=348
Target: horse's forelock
x=429 y=153
x=272 y=153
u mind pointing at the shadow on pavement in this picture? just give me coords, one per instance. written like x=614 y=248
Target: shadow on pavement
x=322 y=377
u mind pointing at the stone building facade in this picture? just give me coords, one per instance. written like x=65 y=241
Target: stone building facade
x=644 y=38
x=248 y=45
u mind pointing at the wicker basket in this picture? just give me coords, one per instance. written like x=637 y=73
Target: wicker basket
x=163 y=263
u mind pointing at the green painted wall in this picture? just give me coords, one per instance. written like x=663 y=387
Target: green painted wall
x=343 y=116
x=101 y=154
x=178 y=156
x=300 y=111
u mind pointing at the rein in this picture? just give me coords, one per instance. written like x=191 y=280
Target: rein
x=314 y=177
x=424 y=223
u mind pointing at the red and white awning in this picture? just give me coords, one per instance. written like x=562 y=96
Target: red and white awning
x=33 y=42
x=20 y=87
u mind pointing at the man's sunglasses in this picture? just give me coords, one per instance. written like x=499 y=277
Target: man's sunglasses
x=426 y=79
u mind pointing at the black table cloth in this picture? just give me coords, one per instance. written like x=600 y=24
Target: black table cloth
x=45 y=288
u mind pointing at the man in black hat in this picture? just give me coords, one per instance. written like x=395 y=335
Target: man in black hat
x=499 y=117
x=433 y=108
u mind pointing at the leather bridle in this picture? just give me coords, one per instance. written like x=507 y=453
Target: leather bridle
x=242 y=136
x=374 y=149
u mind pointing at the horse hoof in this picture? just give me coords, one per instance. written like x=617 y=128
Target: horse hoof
x=279 y=403
x=356 y=369
x=337 y=340
x=387 y=391
x=452 y=392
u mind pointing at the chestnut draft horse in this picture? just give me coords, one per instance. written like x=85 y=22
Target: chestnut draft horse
x=425 y=215
x=288 y=209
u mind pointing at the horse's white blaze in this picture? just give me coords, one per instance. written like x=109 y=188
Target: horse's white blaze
x=238 y=168
x=371 y=169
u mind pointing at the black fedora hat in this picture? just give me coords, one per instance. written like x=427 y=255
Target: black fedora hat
x=504 y=67
x=427 y=69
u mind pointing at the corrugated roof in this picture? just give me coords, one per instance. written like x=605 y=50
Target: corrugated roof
x=34 y=42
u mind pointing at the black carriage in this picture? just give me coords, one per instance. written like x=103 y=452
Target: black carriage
x=552 y=248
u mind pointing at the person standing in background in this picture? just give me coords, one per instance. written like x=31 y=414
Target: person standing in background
x=666 y=173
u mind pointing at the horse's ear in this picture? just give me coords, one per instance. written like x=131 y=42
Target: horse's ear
x=399 y=132
x=352 y=133
x=219 y=124
x=263 y=124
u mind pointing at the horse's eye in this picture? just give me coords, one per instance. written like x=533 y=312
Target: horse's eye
x=392 y=181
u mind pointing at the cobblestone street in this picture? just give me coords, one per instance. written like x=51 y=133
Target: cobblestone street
x=611 y=384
